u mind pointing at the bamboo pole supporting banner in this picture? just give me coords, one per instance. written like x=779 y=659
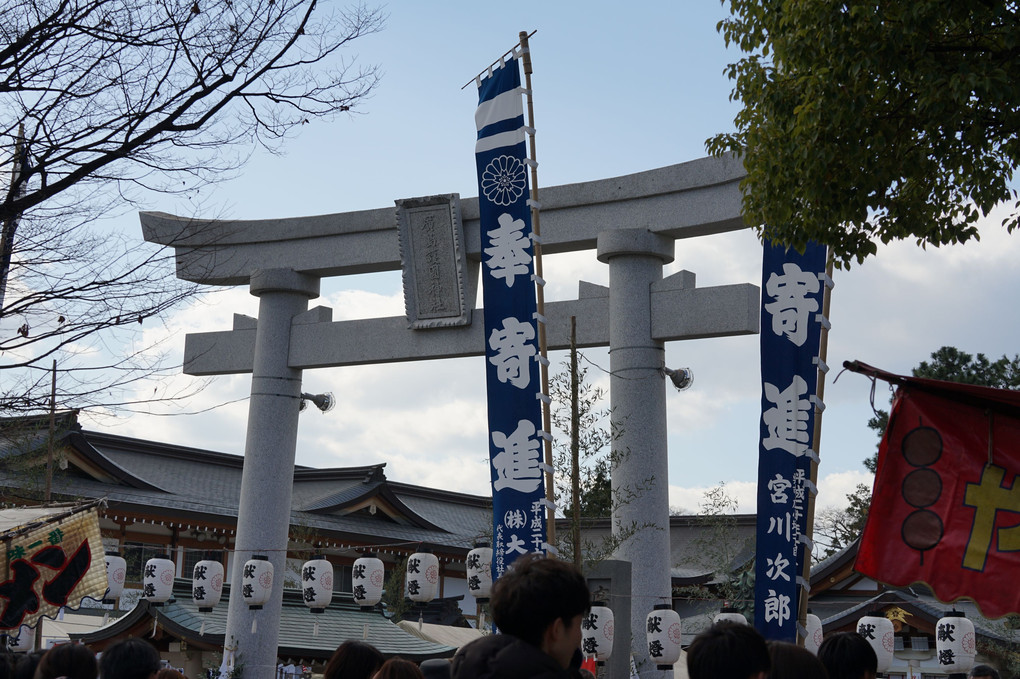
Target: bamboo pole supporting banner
x=550 y=490
x=823 y=351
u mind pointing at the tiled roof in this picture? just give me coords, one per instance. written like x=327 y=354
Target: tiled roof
x=139 y=475
x=341 y=621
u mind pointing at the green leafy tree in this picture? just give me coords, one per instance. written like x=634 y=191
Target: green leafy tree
x=867 y=121
x=952 y=365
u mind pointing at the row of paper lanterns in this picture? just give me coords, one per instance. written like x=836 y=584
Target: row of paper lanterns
x=367 y=578
x=955 y=638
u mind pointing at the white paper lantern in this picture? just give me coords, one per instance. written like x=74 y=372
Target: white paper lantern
x=955 y=644
x=878 y=631
x=22 y=641
x=479 y=571
x=663 y=628
x=422 y=576
x=729 y=614
x=317 y=584
x=256 y=581
x=116 y=573
x=207 y=585
x=367 y=578
x=814 y=636
x=597 y=632
x=158 y=580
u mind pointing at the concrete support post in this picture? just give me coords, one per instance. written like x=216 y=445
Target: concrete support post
x=638 y=400
x=263 y=517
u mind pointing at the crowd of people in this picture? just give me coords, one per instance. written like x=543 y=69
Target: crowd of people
x=538 y=605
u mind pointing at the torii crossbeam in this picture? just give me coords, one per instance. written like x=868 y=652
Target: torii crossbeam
x=632 y=222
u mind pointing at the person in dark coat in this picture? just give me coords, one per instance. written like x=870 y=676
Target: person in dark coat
x=538 y=606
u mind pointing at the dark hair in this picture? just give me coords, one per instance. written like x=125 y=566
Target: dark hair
x=398 y=668
x=130 y=658
x=983 y=671
x=534 y=593
x=848 y=655
x=24 y=667
x=67 y=660
x=790 y=661
x=727 y=649
x=436 y=668
x=353 y=660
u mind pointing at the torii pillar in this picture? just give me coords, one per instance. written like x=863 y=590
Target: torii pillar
x=632 y=220
x=263 y=517
x=637 y=394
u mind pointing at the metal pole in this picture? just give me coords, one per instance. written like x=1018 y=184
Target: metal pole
x=53 y=419
x=575 y=446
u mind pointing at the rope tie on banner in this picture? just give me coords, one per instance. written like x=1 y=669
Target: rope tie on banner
x=811 y=487
x=822 y=365
x=515 y=52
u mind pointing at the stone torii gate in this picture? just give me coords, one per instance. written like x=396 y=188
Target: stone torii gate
x=632 y=222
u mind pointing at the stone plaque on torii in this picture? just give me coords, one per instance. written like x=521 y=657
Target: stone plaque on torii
x=632 y=223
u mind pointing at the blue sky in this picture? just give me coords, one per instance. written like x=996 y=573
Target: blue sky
x=618 y=89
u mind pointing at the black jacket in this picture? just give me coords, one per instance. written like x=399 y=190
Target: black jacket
x=502 y=656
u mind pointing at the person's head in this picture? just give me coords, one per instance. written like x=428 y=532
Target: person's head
x=436 y=668
x=67 y=660
x=541 y=600
x=983 y=672
x=353 y=660
x=26 y=664
x=790 y=661
x=398 y=668
x=848 y=655
x=728 y=650
x=169 y=673
x=6 y=664
x=130 y=658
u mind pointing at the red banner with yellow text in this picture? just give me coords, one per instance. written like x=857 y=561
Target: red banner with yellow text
x=946 y=504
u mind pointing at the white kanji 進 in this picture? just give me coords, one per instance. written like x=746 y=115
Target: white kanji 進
x=517 y=463
x=787 y=422
x=507 y=255
x=514 y=346
x=792 y=306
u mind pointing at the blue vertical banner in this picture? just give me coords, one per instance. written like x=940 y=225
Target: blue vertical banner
x=792 y=293
x=511 y=332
